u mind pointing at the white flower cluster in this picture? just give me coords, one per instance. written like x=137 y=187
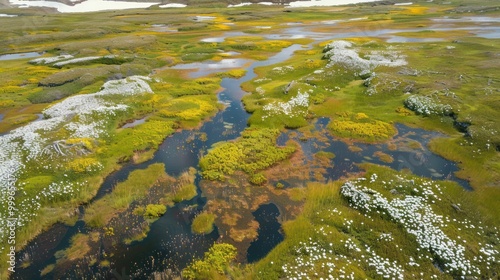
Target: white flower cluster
x=318 y=259
x=282 y=69
x=426 y=106
x=385 y=267
x=80 y=59
x=27 y=210
x=62 y=188
x=342 y=52
x=261 y=80
x=90 y=103
x=296 y=106
x=83 y=115
x=382 y=266
x=490 y=253
x=311 y=257
x=48 y=60
x=418 y=219
x=386 y=237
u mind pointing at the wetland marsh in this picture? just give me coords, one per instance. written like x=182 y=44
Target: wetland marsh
x=352 y=142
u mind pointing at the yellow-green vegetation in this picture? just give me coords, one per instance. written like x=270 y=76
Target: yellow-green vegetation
x=184 y=189
x=79 y=247
x=189 y=108
x=155 y=210
x=81 y=165
x=255 y=150
x=105 y=263
x=145 y=136
x=137 y=184
x=185 y=192
x=203 y=223
x=138 y=236
x=235 y=73
x=323 y=154
x=214 y=265
x=363 y=129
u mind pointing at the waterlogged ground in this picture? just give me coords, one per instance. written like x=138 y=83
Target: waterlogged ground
x=131 y=145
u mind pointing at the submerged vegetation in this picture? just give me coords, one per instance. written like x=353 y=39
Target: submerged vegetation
x=103 y=95
x=136 y=185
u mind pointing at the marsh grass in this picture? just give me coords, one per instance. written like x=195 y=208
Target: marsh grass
x=79 y=247
x=383 y=156
x=318 y=224
x=138 y=236
x=255 y=150
x=138 y=182
x=203 y=223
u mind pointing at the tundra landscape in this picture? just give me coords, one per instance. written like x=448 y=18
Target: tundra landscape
x=224 y=140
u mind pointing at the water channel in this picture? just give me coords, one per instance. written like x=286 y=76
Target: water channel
x=170 y=244
x=13 y=56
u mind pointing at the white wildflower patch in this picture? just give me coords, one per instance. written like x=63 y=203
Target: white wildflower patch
x=425 y=105
x=48 y=60
x=386 y=237
x=311 y=257
x=281 y=70
x=384 y=267
x=81 y=59
x=260 y=90
x=343 y=53
x=84 y=116
x=61 y=188
x=415 y=214
x=321 y=259
x=261 y=80
x=296 y=106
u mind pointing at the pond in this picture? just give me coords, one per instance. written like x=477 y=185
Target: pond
x=170 y=244
x=269 y=232
x=162 y=28
x=407 y=150
x=134 y=123
x=19 y=55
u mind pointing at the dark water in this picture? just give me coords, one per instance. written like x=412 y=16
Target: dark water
x=170 y=243
x=269 y=234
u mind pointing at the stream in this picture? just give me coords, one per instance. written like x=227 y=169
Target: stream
x=170 y=245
